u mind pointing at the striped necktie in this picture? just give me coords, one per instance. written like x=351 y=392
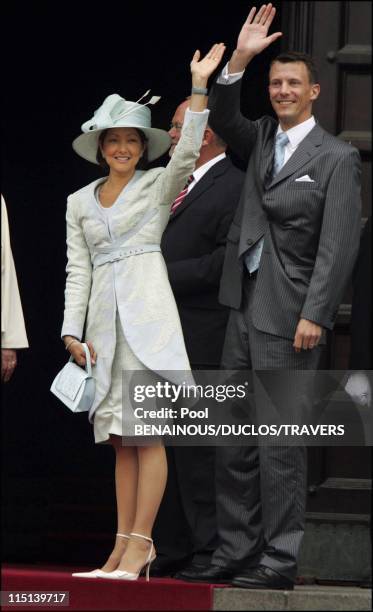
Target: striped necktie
x=281 y=141
x=182 y=194
x=253 y=255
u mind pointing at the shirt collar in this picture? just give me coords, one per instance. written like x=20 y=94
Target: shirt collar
x=198 y=174
x=297 y=133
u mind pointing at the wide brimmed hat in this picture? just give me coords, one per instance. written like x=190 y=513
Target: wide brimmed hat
x=117 y=112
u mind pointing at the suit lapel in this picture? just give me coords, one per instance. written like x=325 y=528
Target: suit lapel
x=203 y=185
x=266 y=158
x=308 y=148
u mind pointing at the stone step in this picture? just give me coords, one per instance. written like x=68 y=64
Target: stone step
x=336 y=548
x=302 y=598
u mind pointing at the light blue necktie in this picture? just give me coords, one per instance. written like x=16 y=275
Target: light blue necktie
x=252 y=258
x=280 y=144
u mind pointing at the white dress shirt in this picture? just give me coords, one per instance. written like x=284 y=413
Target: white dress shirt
x=201 y=171
x=296 y=134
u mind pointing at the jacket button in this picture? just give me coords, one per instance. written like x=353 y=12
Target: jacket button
x=249 y=241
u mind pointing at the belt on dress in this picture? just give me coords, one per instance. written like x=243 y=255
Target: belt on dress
x=111 y=254
x=118 y=250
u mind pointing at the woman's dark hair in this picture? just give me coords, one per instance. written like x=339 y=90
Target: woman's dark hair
x=143 y=162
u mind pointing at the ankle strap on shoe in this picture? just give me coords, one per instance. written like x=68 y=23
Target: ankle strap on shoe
x=123 y=535
x=139 y=535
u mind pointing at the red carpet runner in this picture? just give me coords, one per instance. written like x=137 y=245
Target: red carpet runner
x=102 y=594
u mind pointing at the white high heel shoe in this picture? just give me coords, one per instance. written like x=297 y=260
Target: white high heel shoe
x=123 y=575
x=97 y=573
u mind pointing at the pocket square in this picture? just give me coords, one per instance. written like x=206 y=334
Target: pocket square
x=304 y=179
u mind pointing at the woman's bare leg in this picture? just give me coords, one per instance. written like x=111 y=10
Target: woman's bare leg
x=126 y=479
x=152 y=477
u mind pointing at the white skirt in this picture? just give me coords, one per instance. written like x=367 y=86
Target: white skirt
x=108 y=418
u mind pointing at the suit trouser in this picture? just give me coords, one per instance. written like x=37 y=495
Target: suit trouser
x=186 y=522
x=261 y=490
x=185 y=526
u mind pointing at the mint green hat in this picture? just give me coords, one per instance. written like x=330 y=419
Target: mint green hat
x=114 y=112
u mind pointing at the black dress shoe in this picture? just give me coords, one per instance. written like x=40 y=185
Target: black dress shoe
x=166 y=567
x=200 y=573
x=261 y=577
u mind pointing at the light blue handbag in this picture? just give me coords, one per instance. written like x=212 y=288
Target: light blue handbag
x=75 y=386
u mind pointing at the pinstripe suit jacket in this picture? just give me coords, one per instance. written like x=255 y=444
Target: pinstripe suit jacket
x=311 y=229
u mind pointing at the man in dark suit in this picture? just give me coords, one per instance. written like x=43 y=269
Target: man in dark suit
x=193 y=246
x=290 y=251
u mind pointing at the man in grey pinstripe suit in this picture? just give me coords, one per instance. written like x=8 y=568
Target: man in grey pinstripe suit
x=290 y=252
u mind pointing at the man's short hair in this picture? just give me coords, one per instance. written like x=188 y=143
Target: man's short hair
x=218 y=140
x=297 y=56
